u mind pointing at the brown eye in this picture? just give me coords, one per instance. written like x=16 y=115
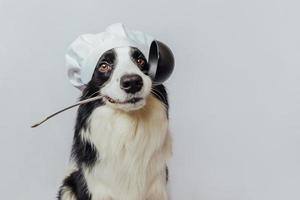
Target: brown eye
x=104 y=68
x=140 y=62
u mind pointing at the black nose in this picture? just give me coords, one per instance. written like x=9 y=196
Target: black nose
x=131 y=83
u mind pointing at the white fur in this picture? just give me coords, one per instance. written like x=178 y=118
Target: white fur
x=134 y=147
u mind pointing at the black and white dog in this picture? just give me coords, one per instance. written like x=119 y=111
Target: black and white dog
x=121 y=142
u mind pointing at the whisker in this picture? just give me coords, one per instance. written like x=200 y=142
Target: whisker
x=158 y=93
x=93 y=94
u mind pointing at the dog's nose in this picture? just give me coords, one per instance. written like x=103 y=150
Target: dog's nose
x=131 y=83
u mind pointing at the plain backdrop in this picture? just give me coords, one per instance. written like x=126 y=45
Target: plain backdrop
x=234 y=94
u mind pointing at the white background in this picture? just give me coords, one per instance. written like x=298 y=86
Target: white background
x=234 y=94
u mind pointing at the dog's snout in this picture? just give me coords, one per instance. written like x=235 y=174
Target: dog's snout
x=131 y=83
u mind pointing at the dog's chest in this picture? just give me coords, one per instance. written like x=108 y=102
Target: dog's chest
x=133 y=148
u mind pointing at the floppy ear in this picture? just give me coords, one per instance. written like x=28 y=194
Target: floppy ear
x=161 y=62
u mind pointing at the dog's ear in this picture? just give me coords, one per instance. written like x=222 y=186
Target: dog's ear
x=161 y=62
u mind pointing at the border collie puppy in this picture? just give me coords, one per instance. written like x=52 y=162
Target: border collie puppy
x=121 y=142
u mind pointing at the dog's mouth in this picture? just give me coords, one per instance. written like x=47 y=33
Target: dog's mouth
x=129 y=101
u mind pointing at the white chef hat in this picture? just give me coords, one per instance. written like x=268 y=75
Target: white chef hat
x=84 y=53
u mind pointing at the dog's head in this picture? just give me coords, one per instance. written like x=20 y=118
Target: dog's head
x=120 y=64
x=120 y=76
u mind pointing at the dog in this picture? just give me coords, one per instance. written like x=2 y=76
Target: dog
x=121 y=142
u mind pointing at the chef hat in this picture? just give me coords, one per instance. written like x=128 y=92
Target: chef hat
x=84 y=53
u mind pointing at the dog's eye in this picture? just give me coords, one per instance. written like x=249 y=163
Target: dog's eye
x=104 y=67
x=140 y=62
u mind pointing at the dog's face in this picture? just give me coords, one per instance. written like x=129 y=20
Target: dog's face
x=121 y=76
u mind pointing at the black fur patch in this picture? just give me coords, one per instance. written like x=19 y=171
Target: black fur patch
x=77 y=185
x=83 y=152
x=136 y=54
x=99 y=78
